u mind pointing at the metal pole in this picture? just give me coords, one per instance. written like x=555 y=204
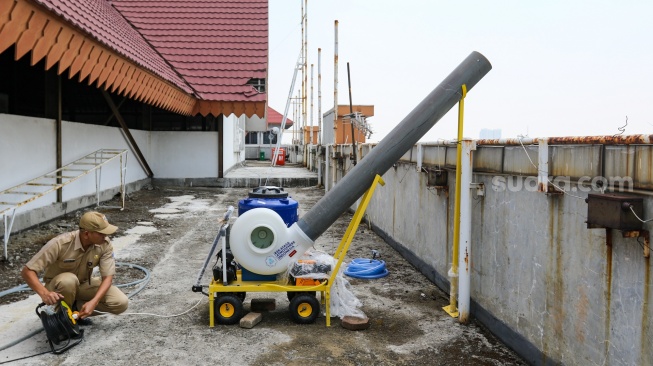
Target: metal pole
x=464 y=258
x=319 y=96
x=304 y=96
x=417 y=123
x=311 y=130
x=130 y=138
x=335 y=86
x=543 y=165
x=351 y=122
x=452 y=309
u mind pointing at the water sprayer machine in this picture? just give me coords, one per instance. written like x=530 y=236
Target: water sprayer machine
x=268 y=238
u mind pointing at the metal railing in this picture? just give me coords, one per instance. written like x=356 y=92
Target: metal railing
x=15 y=197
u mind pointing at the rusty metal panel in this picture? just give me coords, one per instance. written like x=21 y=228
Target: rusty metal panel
x=574 y=140
x=619 y=163
x=488 y=159
x=613 y=211
x=516 y=161
x=451 y=156
x=576 y=161
x=434 y=155
x=643 y=167
x=410 y=155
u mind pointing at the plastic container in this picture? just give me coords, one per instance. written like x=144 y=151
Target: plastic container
x=281 y=158
x=274 y=198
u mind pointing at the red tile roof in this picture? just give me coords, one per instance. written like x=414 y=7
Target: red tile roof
x=217 y=46
x=207 y=48
x=102 y=22
x=275 y=117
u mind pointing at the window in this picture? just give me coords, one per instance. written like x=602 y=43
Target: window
x=258 y=84
x=269 y=138
x=251 y=138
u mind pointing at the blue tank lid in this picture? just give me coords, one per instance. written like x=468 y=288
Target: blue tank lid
x=274 y=198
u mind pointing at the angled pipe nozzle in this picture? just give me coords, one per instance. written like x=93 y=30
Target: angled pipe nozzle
x=392 y=147
x=260 y=241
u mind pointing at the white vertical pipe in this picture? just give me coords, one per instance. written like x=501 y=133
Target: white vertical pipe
x=305 y=73
x=327 y=168
x=319 y=96
x=464 y=255
x=311 y=131
x=335 y=85
x=420 y=153
x=543 y=165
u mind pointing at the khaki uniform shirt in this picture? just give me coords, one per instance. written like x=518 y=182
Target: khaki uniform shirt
x=65 y=253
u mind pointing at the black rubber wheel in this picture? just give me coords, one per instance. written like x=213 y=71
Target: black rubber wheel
x=304 y=308
x=241 y=295
x=292 y=294
x=228 y=309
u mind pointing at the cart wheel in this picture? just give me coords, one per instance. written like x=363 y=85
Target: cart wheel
x=292 y=294
x=228 y=309
x=241 y=295
x=304 y=308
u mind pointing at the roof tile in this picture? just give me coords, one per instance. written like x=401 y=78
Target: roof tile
x=217 y=46
x=209 y=48
x=103 y=23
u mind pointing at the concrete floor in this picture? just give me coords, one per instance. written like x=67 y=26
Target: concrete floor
x=254 y=173
x=170 y=229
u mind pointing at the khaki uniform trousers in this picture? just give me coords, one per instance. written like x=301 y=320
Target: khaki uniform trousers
x=67 y=284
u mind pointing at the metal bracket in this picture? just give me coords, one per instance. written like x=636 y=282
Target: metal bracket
x=480 y=188
x=640 y=234
x=645 y=234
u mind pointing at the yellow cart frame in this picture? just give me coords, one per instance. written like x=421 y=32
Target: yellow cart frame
x=324 y=288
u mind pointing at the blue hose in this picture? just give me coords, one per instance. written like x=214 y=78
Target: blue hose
x=366 y=268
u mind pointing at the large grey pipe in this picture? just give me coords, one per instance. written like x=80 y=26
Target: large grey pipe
x=415 y=125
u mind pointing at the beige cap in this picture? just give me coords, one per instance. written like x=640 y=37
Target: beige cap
x=95 y=221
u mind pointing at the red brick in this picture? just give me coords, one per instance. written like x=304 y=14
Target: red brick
x=355 y=323
x=250 y=320
x=260 y=305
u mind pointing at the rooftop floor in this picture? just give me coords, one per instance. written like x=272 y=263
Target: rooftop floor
x=254 y=173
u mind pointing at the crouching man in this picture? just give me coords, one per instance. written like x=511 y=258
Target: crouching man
x=68 y=261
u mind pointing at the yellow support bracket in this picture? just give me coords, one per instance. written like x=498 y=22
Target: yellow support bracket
x=341 y=252
x=452 y=308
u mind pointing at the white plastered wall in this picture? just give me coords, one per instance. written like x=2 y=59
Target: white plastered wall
x=28 y=150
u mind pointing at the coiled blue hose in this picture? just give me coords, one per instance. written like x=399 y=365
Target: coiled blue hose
x=366 y=268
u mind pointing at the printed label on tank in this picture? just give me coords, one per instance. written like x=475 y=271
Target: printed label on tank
x=285 y=249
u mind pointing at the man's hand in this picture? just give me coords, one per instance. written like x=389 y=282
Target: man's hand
x=87 y=309
x=47 y=296
x=51 y=297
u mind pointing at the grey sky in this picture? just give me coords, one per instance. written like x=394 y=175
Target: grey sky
x=560 y=68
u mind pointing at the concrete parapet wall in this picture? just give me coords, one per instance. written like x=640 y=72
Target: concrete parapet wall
x=547 y=285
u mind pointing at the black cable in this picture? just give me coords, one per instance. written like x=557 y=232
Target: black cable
x=643 y=245
x=22 y=358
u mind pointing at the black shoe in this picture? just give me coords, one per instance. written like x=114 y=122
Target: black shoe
x=84 y=322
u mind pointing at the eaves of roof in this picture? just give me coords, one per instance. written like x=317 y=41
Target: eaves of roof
x=92 y=40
